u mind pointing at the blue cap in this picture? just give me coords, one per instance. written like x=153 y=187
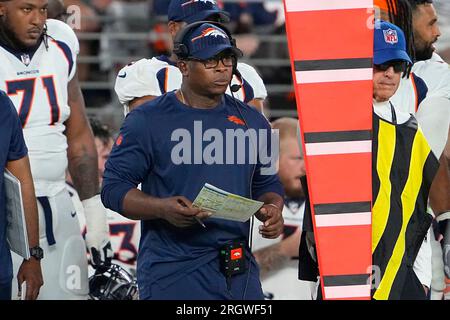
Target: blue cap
x=389 y=43
x=207 y=40
x=195 y=10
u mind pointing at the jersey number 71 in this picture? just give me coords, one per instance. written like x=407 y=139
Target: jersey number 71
x=28 y=88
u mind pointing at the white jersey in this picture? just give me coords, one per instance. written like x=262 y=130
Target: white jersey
x=156 y=76
x=429 y=78
x=37 y=85
x=283 y=284
x=124 y=235
x=427 y=95
x=436 y=74
x=420 y=95
x=409 y=94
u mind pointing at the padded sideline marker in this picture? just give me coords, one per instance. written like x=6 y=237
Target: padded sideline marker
x=331 y=51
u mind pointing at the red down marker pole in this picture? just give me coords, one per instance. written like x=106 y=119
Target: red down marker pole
x=331 y=50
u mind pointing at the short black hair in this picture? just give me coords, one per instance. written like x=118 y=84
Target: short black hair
x=100 y=130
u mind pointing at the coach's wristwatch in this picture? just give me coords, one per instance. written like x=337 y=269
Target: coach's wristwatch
x=37 y=253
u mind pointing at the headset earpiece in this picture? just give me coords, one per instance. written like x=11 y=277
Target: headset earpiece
x=180 y=50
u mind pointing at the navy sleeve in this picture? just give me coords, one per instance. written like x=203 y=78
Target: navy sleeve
x=421 y=88
x=17 y=148
x=130 y=160
x=265 y=178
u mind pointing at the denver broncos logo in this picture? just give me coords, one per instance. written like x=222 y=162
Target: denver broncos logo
x=236 y=120
x=194 y=1
x=210 y=32
x=119 y=140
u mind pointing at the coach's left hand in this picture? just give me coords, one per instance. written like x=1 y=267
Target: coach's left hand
x=273 y=221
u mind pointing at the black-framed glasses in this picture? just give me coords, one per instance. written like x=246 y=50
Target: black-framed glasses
x=399 y=66
x=211 y=63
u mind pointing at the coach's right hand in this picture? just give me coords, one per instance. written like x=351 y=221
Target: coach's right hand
x=180 y=212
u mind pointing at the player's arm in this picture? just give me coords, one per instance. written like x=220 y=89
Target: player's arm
x=258 y=104
x=83 y=168
x=30 y=270
x=81 y=151
x=440 y=188
x=136 y=102
x=440 y=203
x=273 y=257
x=433 y=116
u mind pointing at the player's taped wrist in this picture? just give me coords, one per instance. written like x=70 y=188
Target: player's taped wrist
x=443 y=216
x=97 y=233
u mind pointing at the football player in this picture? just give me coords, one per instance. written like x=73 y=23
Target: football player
x=124 y=233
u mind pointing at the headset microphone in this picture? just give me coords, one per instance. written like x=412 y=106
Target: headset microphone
x=235 y=87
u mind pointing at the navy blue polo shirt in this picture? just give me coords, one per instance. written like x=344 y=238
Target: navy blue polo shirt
x=12 y=147
x=148 y=151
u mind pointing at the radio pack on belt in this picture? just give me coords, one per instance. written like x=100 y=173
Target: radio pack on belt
x=232 y=258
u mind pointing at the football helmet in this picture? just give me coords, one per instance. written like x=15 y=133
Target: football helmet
x=112 y=283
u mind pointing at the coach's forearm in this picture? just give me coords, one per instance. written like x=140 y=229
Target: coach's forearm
x=272 y=198
x=130 y=202
x=140 y=206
